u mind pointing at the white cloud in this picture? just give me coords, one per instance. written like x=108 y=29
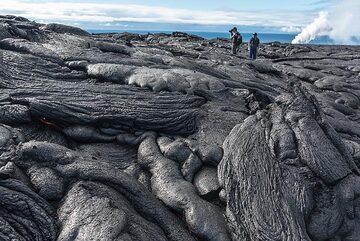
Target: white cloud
x=114 y=24
x=292 y=29
x=107 y=13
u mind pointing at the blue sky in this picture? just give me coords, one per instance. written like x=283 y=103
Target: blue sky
x=196 y=15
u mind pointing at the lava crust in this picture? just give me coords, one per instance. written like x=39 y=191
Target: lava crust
x=170 y=137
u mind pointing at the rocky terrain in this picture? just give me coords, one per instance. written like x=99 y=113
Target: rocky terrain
x=171 y=138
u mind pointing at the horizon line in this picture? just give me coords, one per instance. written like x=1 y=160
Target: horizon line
x=185 y=31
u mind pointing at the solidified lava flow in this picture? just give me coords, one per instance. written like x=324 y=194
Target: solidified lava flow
x=169 y=137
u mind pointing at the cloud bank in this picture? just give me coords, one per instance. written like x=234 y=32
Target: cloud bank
x=341 y=23
x=106 y=14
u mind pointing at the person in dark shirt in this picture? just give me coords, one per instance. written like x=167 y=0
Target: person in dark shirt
x=236 y=40
x=254 y=44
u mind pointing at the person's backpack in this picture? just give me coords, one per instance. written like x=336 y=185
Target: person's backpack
x=238 y=39
x=255 y=42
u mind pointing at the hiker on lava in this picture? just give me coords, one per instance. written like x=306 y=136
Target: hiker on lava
x=236 y=40
x=253 y=46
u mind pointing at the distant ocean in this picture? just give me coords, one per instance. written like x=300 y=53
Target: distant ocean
x=264 y=37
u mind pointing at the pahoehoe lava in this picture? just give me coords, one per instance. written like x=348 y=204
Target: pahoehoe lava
x=169 y=137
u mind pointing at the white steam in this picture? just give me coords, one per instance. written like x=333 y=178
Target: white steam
x=320 y=26
x=341 y=23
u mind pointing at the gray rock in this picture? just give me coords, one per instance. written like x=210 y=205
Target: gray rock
x=177 y=151
x=203 y=218
x=163 y=142
x=33 y=221
x=76 y=165
x=210 y=154
x=190 y=167
x=93 y=211
x=10 y=170
x=47 y=182
x=145 y=179
x=222 y=195
x=111 y=47
x=9 y=137
x=14 y=114
x=87 y=134
x=324 y=155
x=42 y=132
x=206 y=183
x=60 y=28
x=36 y=49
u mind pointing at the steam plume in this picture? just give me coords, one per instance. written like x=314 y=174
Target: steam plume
x=320 y=26
x=340 y=23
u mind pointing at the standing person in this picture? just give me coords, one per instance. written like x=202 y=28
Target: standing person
x=236 y=40
x=254 y=44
